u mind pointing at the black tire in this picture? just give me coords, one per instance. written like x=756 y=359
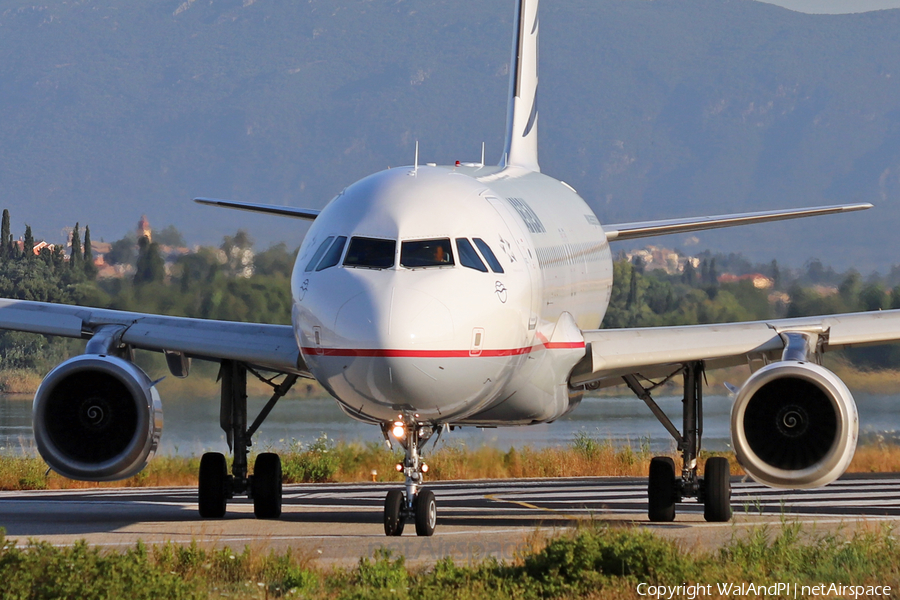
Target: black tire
x=717 y=490
x=213 y=490
x=267 y=486
x=393 y=519
x=426 y=513
x=661 y=490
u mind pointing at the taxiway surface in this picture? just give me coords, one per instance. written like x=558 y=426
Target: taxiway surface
x=339 y=523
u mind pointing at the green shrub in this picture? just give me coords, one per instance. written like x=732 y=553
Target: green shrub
x=317 y=464
x=42 y=571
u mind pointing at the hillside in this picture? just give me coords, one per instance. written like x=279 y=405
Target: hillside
x=650 y=109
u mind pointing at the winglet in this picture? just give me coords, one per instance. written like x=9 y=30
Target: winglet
x=522 y=114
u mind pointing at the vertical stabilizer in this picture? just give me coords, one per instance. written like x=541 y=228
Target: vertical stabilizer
x=522 y=113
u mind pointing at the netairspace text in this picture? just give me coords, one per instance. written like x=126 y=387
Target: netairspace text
x=784 y=590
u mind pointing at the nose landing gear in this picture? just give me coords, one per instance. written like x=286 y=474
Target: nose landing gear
x=415 y=504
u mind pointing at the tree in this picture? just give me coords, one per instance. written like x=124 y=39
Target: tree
x=872 y=297
x=239 y=254
x=277 y=260
x=90 y=269
x=850 y=288
x=121 y=252
x=77 y=257
x=29 y=243
x=169 y=236
x=150 y=266
x=5 y=236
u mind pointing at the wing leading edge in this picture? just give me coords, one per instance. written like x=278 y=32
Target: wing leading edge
x=630 y=231
x=653 y=351
x=308 y=214
x=266 y=346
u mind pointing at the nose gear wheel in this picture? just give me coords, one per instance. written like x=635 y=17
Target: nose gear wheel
x=414 y=503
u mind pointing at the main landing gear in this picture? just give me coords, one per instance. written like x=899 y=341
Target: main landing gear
x=665 y=489
x=264 y=486
x=417 y=504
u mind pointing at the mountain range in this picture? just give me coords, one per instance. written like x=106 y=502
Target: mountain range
x=650 y=109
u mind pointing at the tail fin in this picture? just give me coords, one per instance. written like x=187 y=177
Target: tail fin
x=522 y=114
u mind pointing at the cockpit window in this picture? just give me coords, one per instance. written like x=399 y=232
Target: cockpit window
x=488 y=255
x=322 y=248
x=333 y=256
x=468 y=257
x=426 y=253
x=371 y=253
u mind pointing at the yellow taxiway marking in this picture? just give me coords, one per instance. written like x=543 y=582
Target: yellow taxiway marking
x=535 y=507
x=525 y=504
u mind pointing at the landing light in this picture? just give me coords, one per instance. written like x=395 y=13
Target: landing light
x=424 y=468
x=398 y=466
x=399 y=430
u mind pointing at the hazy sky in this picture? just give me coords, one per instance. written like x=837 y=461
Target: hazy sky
x=835 y=6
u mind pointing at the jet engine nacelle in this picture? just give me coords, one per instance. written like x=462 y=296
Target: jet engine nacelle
x=795 y=425
x=97 y=418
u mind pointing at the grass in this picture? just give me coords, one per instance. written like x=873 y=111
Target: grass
x=592 y=561
x=201 y=384
x=327 y=461
x=19 y=381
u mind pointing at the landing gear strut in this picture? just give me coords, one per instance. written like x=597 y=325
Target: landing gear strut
x=664 y=489
x=417 y=504
x=264 y=486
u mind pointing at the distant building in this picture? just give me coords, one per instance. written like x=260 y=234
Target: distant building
x=656 y=258
x=825 y=290
x=40 y=246
x=759 y=281
x=99 y=250
x=143 y=228
x=779 y=299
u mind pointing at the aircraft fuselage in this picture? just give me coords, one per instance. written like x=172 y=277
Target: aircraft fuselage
x=453 y=293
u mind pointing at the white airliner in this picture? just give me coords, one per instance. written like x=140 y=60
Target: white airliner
x=429 y=297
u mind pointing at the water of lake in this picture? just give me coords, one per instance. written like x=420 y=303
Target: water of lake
x=191 y=425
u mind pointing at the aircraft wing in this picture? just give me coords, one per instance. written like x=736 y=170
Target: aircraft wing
x=270 y=347
x=630 y=231
x=657 y=351
x=308 y=214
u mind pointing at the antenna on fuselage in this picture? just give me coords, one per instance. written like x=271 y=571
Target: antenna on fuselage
x=416 y=167
x=482 y=154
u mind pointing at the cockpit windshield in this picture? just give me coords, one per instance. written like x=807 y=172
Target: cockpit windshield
x=370 y=253
x=488 y=255
x=426 y=253
x=322 y=248
x=468 y=257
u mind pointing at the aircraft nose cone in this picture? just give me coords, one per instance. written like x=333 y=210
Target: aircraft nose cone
x=395 y=318
x=394 y=348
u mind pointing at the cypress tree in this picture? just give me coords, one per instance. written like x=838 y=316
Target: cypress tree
x=150 y=266
x=689 y=275
x=713 y=274
x=75 y=260
x=90 y=269
x=28 y=248
x=5 y=235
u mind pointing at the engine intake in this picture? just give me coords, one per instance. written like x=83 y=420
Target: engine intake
x=97 y=418
x=794 y=424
